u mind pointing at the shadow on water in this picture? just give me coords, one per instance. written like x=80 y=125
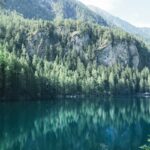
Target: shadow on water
x=75 y=124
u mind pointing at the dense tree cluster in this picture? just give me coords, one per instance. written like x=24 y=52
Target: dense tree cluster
x=53 y=71
x=22 y=76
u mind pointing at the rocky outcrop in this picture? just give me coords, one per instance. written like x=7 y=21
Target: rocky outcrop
x=37 y=43
x=108 y=54
x=121 y=53
x=79 y=40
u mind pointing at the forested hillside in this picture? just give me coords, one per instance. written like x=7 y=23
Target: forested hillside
x=72 y=9
x=53 y=9
x=40 y=59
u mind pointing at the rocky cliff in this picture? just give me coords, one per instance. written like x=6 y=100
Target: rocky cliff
x=106 y=51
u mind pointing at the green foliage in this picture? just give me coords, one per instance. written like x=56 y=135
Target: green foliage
x=38 y=59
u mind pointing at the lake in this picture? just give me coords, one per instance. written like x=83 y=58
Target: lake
x=120 y=123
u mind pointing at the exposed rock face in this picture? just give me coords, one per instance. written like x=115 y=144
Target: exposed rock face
x=109 y=54
x=79 y=40
x=37 y=43
x=134 y=55
x=120 y=53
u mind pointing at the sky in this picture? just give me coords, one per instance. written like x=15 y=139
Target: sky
x=136 y=12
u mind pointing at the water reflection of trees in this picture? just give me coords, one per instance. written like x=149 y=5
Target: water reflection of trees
x=75 y=124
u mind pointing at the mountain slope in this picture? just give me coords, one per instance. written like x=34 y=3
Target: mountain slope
x=115 y=21
x=40 y=59
x=69 y=39
x=53 y=9
x=71 y=9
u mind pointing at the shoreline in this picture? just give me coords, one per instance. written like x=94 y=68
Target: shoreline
x=74 y=96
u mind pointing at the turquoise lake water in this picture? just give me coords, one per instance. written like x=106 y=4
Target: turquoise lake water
x=121 y=123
